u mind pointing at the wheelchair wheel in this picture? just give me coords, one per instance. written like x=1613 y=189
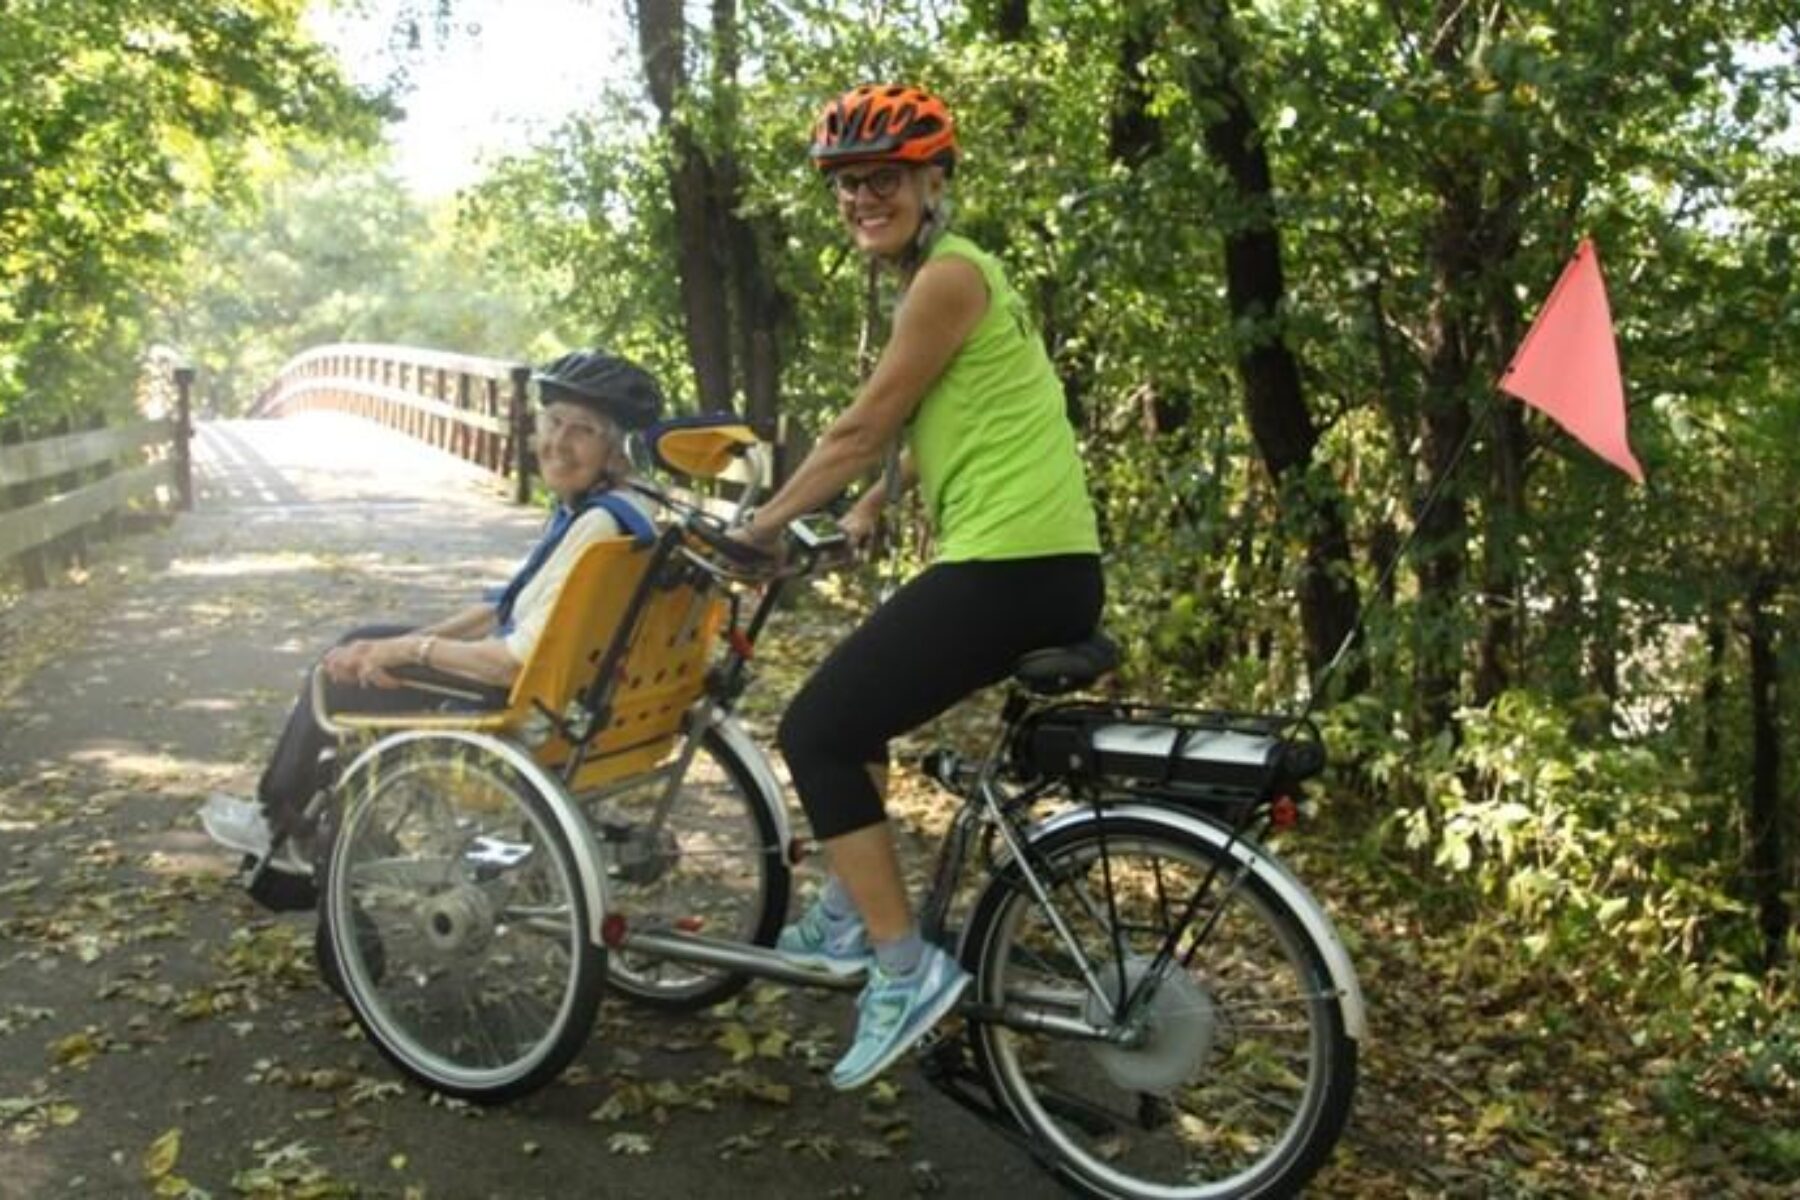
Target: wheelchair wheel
x=1236 y=1076
x=705 y=858
x=325 y=951
x=456 y=920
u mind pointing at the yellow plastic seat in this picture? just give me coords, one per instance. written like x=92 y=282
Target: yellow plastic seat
x=645 y=615
x=625 y=651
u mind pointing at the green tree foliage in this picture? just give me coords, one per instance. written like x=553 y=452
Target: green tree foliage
x=332 y=247
x=120 y=122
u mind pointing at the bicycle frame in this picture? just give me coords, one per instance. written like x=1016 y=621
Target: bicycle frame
x=987 y=805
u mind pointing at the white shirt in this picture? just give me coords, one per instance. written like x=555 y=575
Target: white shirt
x=532 y=608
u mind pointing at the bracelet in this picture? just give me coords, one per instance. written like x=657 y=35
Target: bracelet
x=423 y=655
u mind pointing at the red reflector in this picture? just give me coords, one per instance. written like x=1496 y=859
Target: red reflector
x=741 y=644
x=1284 y=814
x=612 y=929
x=798 y=851
x=690 y=924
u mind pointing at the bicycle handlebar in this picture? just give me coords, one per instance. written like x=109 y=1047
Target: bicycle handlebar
x=811 y=541
x=737 y=553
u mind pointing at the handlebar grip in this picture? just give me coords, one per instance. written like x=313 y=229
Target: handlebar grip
x=737 y=553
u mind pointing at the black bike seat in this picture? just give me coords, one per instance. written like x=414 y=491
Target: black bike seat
x=1055 y=670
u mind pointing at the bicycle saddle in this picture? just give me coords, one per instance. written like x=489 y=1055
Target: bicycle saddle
x=1058 y=669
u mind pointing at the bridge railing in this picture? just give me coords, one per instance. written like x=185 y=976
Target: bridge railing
x=478 y=409
x=61 y=485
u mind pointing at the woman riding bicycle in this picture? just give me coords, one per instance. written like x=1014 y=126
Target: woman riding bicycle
x=966 y=380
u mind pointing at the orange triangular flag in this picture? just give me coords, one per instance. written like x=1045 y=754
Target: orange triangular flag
x=1568 y=364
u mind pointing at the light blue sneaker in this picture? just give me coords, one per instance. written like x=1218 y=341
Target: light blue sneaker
x=893 y=1012
x=840 y=947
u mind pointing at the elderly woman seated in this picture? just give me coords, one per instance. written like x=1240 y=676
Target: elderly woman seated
x=590 y=400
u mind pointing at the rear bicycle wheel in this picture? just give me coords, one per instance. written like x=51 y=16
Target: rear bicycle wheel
x=1237 y=1076
x=706 y=859
x=457 y=923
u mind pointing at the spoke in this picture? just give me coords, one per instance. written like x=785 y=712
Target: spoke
x=686 y=855
x=531 y=1012
x=481 y=1028
x=537 y=911
x=1261 y=1099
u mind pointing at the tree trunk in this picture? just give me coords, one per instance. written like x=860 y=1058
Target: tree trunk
x=662 y=45
x=1273 y=399
x=1498 y=659
x=1763 y=827
x=762 y=311
x=1603 y=660
x=1712 y=695
x=1134 y=134
x=1455 y=262
x=1008 y=20
x=1441 y=555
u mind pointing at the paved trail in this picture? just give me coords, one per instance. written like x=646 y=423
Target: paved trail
x=148 y=1009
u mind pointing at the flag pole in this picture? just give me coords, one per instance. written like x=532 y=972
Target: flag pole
x=1317 y=688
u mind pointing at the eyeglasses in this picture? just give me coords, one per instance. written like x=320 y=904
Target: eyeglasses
x=551 y=423
x=882 y=182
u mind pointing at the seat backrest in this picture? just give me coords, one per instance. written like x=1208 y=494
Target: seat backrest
x=661 y=670
x=587 y=610
x=663 y=674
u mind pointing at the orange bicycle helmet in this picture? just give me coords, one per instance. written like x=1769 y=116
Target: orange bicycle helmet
x=884 y=123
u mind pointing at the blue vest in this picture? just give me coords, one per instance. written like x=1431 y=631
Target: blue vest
x=627 y=514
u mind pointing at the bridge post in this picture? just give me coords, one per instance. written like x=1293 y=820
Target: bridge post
x=521 y=433
x=462 y=436
x=184 y=432
x=32 y=565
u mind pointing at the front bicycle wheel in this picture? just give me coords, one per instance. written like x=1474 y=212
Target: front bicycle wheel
x=1230 y=1076
x=457 y=920
x=700 y=855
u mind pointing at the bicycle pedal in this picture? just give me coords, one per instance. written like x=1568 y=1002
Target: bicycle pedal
x=933 y=1041
x=941 y=1057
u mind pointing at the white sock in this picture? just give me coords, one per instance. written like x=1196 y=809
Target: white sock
x=836 y=901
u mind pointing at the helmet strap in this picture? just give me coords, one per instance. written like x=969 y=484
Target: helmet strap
x=934 y=220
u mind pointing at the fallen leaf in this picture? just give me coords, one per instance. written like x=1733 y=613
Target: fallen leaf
x=629 y=1143
x=737 y=1041
x=159 y=1160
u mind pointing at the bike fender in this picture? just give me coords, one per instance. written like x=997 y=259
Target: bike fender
x=733 y=735
x=1266 y=867
x=588 y=863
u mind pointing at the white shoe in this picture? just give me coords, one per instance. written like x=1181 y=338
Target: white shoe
x=237 y=824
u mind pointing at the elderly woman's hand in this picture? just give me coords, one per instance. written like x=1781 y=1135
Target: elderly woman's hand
x=366 y=662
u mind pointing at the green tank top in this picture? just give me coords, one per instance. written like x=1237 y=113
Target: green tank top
x=991 y=440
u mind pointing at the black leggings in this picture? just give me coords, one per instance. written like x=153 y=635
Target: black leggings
x=956 y=628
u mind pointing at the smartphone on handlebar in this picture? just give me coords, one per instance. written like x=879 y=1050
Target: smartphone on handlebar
x=819 y=534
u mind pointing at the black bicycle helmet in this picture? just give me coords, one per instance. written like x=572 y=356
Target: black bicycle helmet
x=611 y=386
